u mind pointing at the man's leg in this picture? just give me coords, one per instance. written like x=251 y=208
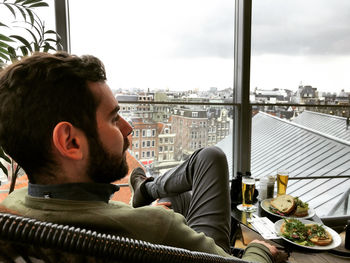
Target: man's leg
x=199 y=190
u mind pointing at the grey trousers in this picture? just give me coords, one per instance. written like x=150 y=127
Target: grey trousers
x=199 y=190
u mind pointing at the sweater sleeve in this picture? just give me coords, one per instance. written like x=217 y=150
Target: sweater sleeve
x=179 y=234
x=256 y=252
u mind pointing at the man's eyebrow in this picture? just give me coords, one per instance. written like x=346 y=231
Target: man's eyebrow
x=115 y=110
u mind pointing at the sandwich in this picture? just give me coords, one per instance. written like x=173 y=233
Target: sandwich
x=305 y=234
x=318 y=235
x=287 y=205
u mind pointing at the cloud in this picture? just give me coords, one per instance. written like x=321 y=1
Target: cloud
x=297 y=27
x=288 y=27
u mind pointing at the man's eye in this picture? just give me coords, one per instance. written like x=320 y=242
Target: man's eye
x=116 y=118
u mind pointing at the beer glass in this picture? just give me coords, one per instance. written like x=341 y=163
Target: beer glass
x=282 y=182
x=248 y=188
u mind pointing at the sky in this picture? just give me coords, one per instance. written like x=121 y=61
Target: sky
x=188 y=44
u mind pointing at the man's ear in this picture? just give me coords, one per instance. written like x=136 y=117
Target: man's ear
x=68 y=141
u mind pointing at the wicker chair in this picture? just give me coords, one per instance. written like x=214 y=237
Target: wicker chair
x=28 y=240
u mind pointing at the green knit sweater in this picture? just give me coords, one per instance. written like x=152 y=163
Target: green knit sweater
x=153 y=224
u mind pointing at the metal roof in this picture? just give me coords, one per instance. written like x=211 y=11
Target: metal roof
x=325 y=123
x=278 y=143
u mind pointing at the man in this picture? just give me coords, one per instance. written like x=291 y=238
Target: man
x=59 y=120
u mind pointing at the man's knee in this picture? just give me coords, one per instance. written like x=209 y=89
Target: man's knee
x=213 y=154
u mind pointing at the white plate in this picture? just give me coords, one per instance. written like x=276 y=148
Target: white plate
x=336 y=238
x=265 y=204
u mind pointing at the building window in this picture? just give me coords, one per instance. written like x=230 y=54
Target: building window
x=194 y=114
x=149 y=133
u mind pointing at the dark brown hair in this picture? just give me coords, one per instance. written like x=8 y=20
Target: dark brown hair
x=38 y=92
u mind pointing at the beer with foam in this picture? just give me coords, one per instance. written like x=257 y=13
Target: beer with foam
x=248 y=187
x=282 y=182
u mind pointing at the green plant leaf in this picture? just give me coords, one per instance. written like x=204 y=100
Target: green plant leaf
x=19 y=1
x=24 y=41
x=31 y=16
x=50 y=32
x=4 y=51
x=4 y=156
x=33 y=35
x=36 y=47
x=24 y=50
x=3 y=168
x=38 y=5
x=5 y=38
x=3 y=44
x=4 y=57
x=47 y=47
x=12 y=51
x=22 y=12
x=1 y=24
x=28 y=2
x=11 y=9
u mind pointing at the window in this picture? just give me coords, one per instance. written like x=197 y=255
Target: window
x=143 y=133
x=194 y=114
x=136 y=133
x=276 y=47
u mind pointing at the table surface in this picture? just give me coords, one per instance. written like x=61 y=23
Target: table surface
x=298 y=254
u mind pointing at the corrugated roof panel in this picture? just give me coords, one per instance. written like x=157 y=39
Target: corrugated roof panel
x=328 y=124
x=304 y=152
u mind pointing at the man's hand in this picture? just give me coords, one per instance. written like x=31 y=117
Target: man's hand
x=272 y=248
x=166 y=205
x=278 y=256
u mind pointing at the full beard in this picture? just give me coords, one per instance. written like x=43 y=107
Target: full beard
x=105 y=167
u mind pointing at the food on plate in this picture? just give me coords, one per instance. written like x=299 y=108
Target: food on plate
x=305 y=234
x=302 y=208
x=287 y=205
x=319 y=236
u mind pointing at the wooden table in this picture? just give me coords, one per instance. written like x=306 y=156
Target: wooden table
x=297 y=254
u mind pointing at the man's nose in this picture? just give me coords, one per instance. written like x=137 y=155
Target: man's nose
x=125 y=127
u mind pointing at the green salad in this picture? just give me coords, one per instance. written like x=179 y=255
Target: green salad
x=297 y=232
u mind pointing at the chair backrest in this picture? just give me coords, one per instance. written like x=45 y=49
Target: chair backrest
x=32 y=240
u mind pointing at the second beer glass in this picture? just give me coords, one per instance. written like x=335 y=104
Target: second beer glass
x=248 y=188
x=282 y=182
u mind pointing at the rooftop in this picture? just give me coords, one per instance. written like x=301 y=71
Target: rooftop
x=278 y=143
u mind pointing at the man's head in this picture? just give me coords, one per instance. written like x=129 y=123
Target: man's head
x=50 y=113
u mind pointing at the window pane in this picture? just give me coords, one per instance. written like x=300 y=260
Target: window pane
x=300 y=51
x=181 y=134
x=158 y=44
x=308 y=142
